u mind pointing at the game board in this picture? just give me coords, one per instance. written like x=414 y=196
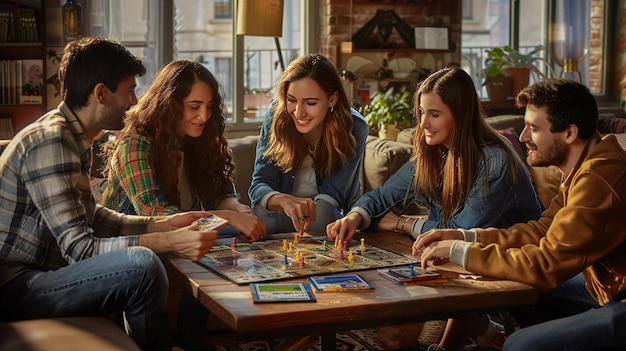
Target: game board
x=268 y=260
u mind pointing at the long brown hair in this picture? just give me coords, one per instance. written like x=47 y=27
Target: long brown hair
x=286 y=146
x=448 y=175
x=158 y=115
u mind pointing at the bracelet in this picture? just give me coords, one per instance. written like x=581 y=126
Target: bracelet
x=403 y=223
x=396 y=229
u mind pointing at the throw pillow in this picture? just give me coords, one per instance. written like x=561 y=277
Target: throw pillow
x=611 y=125
x=511 y=135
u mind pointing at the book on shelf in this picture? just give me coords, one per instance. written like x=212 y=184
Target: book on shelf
x=6 y=129
x=281 y=292
x=21 y=82
x=412 y=275
x=18 y=25
x=339 y=283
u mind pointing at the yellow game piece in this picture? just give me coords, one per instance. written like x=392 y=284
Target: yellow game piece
x=284 y=244
x=290 y=248
x=362 y=244
x=297 y=255
x=339 y=245
x=351 y=255
x=295 y=239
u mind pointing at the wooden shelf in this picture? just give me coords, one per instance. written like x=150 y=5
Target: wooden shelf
x=23 y=114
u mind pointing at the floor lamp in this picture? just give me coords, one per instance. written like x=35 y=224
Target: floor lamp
x=568 y=35
x=263 y=18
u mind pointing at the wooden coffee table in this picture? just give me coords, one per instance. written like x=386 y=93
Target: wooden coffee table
x=388 y=304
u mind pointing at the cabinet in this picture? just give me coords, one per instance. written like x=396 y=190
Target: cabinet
x=22 y=63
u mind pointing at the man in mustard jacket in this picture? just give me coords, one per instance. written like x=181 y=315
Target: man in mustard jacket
x=575 y=254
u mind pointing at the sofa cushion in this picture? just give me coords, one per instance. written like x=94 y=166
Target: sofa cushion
x=511 y=135
x=406 y=136
x=506 y=121
x=611 y=125
x=70 y=333
x=382 y=159
x=244 y=152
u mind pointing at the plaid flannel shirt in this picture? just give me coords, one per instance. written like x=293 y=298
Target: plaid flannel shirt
x=48 y=215
x=133 y=187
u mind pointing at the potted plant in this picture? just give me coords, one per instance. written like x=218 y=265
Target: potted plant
x=387 y=111
x=512 y=63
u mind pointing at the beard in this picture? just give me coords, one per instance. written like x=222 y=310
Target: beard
x=112 y=117
x=554 y=154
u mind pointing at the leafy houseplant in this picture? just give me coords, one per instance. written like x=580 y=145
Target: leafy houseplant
x=510 y=62
x=387 y=111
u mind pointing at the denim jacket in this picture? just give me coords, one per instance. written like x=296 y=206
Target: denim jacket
x=340 y=190
x=501 y=205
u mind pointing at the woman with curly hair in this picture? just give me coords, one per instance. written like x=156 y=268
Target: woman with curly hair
x=310 y=150
x=172 y=155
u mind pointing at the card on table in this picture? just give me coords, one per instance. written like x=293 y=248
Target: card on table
x=339 y=283
x=281 y=292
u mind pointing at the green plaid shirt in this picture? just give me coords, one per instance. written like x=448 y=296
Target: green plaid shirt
x=48 y=215
x=132 y=186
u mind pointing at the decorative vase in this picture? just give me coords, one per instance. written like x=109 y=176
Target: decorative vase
x=72 y=20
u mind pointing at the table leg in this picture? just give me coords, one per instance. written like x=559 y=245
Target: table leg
x=329 y=341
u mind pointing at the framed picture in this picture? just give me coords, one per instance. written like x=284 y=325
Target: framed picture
x=432 y=38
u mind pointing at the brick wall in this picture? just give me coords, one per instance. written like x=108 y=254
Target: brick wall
x=338 y=25
x=595 y=45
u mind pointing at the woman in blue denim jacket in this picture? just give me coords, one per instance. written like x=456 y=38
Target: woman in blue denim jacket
x=310 y=150
x=462 y=169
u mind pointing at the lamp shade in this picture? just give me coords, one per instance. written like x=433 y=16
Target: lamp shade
x=568 y=30
x=263 y=18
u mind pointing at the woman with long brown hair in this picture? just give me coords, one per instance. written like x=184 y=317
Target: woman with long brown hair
x=310 y=150
x=463 y=170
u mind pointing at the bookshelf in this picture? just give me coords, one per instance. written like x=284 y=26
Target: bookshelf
x=22 y=63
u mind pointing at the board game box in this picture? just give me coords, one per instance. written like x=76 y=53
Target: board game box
x=339 y=283
x=277 y=292
x=411 y=275
x=279 y=259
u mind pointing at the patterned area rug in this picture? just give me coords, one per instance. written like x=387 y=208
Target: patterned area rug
x=354 y=340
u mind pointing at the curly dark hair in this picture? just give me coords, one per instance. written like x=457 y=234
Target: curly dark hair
x=158 y=115
x=566 y=102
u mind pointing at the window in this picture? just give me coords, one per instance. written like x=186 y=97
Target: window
x=203 y=31
x=525 y=24
x=223 y=9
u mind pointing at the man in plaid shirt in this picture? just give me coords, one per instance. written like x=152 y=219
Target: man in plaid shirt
x=60 y=253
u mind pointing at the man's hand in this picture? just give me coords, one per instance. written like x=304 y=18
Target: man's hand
x=192 y=243
x=434 y=245
x=175 y=221
x=188 y=242
x=344 y=228
x=435 y=235
x=438 y=253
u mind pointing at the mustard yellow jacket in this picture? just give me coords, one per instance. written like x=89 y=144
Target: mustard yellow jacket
x=583 y=230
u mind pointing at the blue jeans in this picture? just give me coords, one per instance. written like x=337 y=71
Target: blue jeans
x=129 y=284
x=578 y=322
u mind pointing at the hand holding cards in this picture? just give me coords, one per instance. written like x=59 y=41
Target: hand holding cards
x=211 y=222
